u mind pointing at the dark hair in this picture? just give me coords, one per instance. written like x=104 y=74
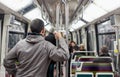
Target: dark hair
x=51 y=38
x=104 y=49
x=37 y=26
x=72 y=42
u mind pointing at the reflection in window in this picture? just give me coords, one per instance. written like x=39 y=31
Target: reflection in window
x=16 y=33
x=16 y=28
x=105 y=27
x=14 y=38
x=107 y=40
x=106 y=35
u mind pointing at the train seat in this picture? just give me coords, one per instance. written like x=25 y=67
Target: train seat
x=104 y=74
x=97 y=67
x=84 y=74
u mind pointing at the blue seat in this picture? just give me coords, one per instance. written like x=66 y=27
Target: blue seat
x=104 y=74
x=83 y=74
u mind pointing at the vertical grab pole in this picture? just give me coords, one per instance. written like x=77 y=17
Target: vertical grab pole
x=57 y=28
x=66 y=27
x=118 y=47
x=60 y=28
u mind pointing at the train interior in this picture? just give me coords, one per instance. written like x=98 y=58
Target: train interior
x=93 y=23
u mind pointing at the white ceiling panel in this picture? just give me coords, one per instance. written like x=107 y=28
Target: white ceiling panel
x=77 y=24
x=108 y=5
x=92 y=12
x=16 y=5
x=33 y=14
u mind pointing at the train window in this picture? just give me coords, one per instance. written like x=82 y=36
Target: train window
x=106 y=35
x=107 y=40
x=14 y=38
x=16 y=33
x=105 y=27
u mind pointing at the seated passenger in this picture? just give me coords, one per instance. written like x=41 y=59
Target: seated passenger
x=106 y=57
x=73 y=46
x=104 y=51
x=82 y=48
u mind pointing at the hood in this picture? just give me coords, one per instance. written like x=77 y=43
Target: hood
x=34 y=38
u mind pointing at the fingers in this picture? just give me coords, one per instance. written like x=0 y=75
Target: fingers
x=57 y=35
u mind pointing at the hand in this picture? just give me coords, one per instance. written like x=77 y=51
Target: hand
x=57 y=35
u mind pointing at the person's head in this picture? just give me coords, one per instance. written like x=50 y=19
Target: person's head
x=104 y=49
x=82 y=47
x=37 y=26
x=51 y=38
x=72 y=43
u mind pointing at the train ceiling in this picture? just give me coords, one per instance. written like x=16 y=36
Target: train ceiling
x=80 y=11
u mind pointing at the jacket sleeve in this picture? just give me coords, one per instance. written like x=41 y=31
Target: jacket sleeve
x=9 y=61
x=59 y=54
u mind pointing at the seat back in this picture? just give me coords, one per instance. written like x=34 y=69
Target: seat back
x=83 y=74
x=104 y=74
x=103 y=60
x=87 y=59
x=73 y=67
x=97 y=67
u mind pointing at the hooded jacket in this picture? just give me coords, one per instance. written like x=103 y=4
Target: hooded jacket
x=31 y=57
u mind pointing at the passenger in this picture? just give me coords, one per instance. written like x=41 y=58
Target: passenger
x=105 y=56
x=82 y=48
x=104 y=51
x=73 y=47
x=51 y=38
x=34 y=54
